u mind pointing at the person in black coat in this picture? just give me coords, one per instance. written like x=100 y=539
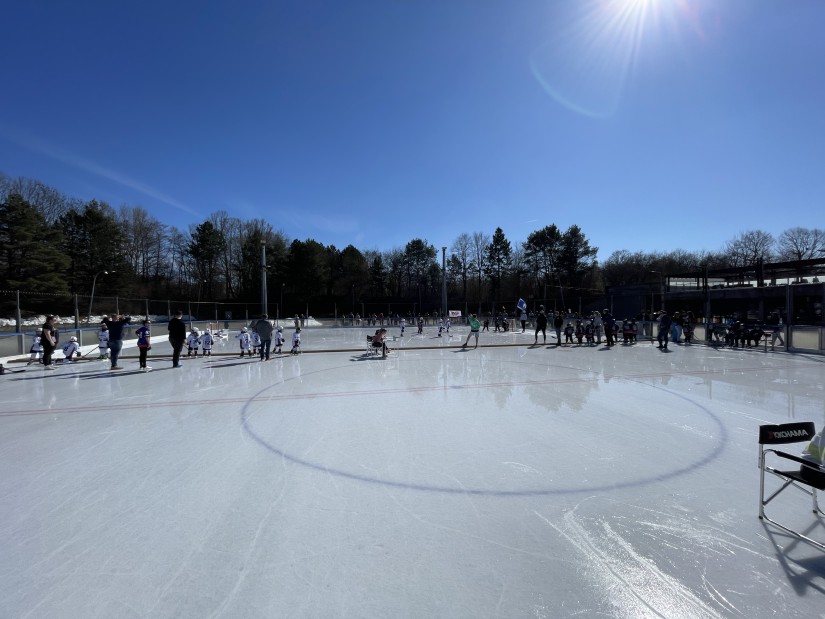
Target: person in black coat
x=177 y=336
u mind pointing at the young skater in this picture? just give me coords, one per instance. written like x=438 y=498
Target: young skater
x=420 y=325
x=296 y=342
x=568 y=333
x=244 y=341
x=103 y=341
x=255 y=342
x=144 y=346
x=279 y=340
x=589 y=331
x=440 y=326
x=207 y=341
x=579 y=332
x=403 y=326
x=193 y=342
x=71 y=349
x=36 y=349
x=447 y=325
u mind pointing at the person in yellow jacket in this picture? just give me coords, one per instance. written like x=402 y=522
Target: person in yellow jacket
x=815 y=454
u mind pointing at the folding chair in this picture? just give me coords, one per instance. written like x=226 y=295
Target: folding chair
x=778 y=435
x=370 y=348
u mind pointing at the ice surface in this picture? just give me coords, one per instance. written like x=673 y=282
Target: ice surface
x=507 y=481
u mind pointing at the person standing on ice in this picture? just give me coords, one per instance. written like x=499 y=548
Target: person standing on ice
x=116 y=327
x=193 y=342
x=244 y=341
x=475 y=328
x=296 y=342
x=177 y=337
x=144 y=346
x=665 y=324
x=36 y=349
x=207 y=340
x=541 y=325
x=279 y=340
x=103 y=341
x=263 y=328
x=48 y=341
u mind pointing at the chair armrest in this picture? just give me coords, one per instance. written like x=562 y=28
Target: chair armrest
x=807 y=463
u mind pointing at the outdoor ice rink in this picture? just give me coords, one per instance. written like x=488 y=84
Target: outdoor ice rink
x=506 y=481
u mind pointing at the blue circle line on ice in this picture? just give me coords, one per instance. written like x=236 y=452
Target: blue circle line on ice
x=664 y=476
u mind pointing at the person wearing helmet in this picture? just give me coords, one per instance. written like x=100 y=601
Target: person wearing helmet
x=103 y=341
x=207 y=340
x=244 y=341
x=279 y=340
x=143 y=344
x=71 y=349
x=193 y=342
x=36 y=349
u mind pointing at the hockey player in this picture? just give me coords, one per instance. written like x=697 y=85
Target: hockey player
x=627 y=332
x=103 y=341
x=36 y=349
x=403 y=326
x=568 y=333
x=193 y=342
x=71 y=349
x=144 y=345
x=420 y=325
x=440 y=326
x=579 y=332
x=589 y=332
x=255 y=342
x=207 y=340
x=447 y=325
x=244 y=341
x=279 y=340
x=296 y=342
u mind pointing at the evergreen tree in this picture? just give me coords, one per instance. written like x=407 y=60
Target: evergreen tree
x=30 y=255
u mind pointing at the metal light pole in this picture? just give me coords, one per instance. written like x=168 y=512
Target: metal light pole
x=281 y=304
x=263 y=278
x=444 y=281
x=92 y=296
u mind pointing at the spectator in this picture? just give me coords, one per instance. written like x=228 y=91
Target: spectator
x=115 y=326
x=177 y=336
x=264 y=330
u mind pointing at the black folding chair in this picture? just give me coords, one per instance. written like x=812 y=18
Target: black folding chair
x=793 y=478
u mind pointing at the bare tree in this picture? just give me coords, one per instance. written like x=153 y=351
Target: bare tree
x=478 y=247
x=461 y=251
x=801 y=244
x=750 y=247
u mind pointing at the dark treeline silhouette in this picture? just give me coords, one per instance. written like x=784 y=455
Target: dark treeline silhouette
x=53 y=243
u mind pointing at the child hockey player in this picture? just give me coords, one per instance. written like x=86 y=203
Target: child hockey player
x=255 y=342
x=440 y=326
x=420 y=325
x=71 y=349
x=207 y=340
x=568 y=333
x=143 y=344
x=296 y=342
x=627 y=336
x=37 y=348
x=193 y=342
x=403 y=326
x=103 y=341
x=589 y=331
x=579 y=332
x=279 y=340
x=634 y=330
x=244 y=341
x=447 y=325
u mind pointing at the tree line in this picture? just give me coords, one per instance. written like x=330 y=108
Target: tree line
x=53 y=243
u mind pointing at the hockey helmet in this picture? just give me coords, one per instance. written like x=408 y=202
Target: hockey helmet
x=195 y=330
x=244 y=330
x=73 y=339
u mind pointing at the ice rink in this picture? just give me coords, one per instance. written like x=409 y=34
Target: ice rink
x=510 y=480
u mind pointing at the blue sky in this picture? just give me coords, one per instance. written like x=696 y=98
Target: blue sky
x=651 y=124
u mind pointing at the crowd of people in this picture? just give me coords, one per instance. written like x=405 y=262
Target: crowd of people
x=261 y=338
